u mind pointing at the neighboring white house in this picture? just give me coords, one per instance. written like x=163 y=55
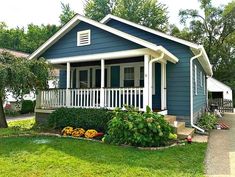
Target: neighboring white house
x=219 y=89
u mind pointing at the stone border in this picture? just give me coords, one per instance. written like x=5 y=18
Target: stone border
x=94 y=140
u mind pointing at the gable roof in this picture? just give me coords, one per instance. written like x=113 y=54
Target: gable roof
x=15 y=53
x=77 y=18
x=204 y=60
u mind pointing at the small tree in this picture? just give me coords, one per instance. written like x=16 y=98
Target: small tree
x=19 y=76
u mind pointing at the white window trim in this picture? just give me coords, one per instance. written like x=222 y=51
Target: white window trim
x=195 y=79
x=136 y=65
x=83 y=32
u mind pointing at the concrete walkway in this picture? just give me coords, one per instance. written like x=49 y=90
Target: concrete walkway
x=20 y=117
x=220 y=157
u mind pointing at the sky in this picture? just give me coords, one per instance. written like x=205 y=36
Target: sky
x=23 y=12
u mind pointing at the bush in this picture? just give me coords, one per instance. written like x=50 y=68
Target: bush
x=138 y=129
x=27 y=106
x=11 y=112
x=80 y=117
x=207 y=121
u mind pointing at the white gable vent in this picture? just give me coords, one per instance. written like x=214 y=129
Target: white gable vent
x=84 y=38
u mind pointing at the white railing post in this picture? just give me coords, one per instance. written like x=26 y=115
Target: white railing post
x=38 y=100
x=68 y=86
x=146 y=81
x=102 y=83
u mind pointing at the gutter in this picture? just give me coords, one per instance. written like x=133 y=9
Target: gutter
x=191 y=90
x=151 y=76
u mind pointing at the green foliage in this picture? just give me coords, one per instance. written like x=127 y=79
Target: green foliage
x=149 y=13
x=215 y=30
x=138 y=129
x=80 y=118
x=11 y=112
x=66 y=14
x=19 y=76
x=27 y=106
x=207 y=121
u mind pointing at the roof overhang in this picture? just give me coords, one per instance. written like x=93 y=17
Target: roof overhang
x=78 y=18
x=195 y=48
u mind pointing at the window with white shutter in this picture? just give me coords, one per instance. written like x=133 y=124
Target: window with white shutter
x=84 y=38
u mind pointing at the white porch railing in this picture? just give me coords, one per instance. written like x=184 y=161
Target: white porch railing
x=118 y=97
x=54 y=98
x=90 y=98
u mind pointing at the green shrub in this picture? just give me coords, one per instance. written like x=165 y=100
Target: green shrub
x=80 y=118
x=11 y=112
x=27 y=106
x=207 y=121
x=138 y=129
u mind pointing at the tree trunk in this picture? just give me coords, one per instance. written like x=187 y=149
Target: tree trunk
x=3 y=122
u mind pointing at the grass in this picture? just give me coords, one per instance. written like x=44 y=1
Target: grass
x=52 y=156
x=19 y=127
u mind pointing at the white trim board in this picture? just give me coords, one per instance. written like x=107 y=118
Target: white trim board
x=194 y=47
x=77 y=18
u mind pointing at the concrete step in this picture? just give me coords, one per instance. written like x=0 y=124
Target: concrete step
x=170 y=118
x=184 y=133
x=180 y=127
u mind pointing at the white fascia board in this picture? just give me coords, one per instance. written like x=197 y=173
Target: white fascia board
x=204 y=61
x=187 y=43
x=67 y=27
x=106 y=56
x=74 y=21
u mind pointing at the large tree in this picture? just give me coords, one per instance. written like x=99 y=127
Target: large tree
x=66 y=14
x=149 y=13
x=215 y=29
x=19 y=76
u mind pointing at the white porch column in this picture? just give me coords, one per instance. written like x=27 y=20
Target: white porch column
x=163 y=86
x=146 y=82
x=102 y=83
x=68 y=85
x=150 y=87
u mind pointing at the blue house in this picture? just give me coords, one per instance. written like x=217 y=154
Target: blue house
x=116 y=62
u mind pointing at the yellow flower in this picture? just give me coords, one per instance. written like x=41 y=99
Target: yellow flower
x=90 y=133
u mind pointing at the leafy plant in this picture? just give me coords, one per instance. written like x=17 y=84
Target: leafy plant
x=80 y=117
x=207 y=121
x=11 y=112
x=138 y=129
x=27 y=106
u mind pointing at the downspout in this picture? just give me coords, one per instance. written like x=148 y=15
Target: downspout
x=191 y=91
x=151 y=76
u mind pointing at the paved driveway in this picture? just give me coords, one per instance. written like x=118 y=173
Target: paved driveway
x=20 y=117
x=220 y=157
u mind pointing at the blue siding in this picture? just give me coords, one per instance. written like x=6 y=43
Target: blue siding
x=178 y=80
x=101 y=42
x=63 y=79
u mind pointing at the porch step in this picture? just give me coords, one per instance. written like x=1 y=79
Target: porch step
x=170 y=118
x=184 y=133
x=180 y=127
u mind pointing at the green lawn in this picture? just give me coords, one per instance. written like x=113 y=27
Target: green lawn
x=53 y=156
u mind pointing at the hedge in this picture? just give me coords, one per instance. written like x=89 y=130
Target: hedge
x=27 y=106
x=86 y=118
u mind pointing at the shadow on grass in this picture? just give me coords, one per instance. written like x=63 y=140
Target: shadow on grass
x=187 y=160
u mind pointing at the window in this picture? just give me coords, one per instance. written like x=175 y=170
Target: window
x=83 y=79
x=195 y=79
x=205 y=89
x=201 y=79
x=84 y=38
x=141 y=76
x=129 y=80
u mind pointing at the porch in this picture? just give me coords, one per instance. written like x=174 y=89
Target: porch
x=115 y=81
